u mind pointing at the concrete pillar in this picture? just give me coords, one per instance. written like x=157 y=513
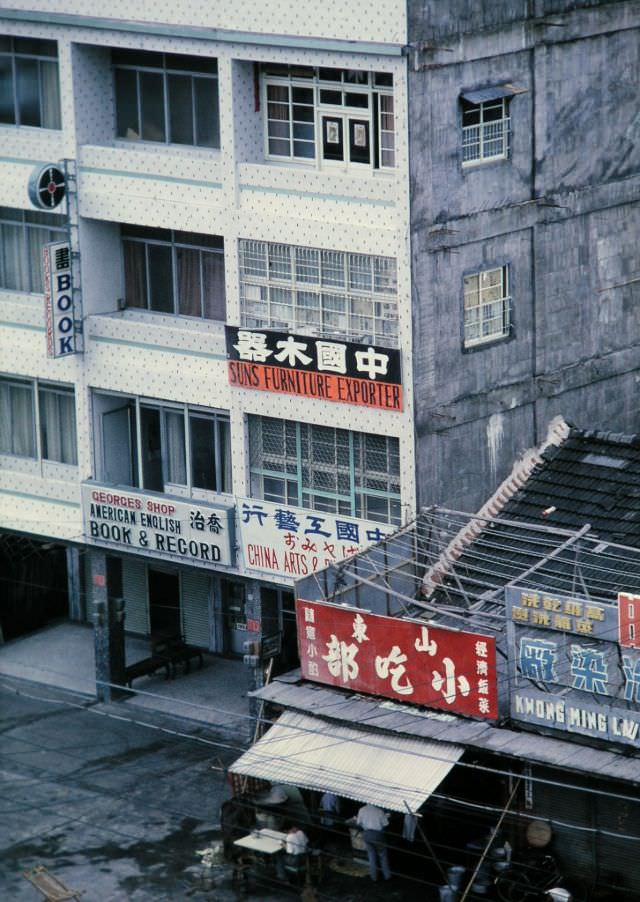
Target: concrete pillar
x=108 y=619
x=256 y=673
x=74 y=585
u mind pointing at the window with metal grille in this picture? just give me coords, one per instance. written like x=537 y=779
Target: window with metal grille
x=38 y=420
x=166 y=97
x=23 y=234
x=318 y=292
x=174 y=272
x=341 y=116
x=487 y=306
x=486 y=129
x=29 y=83
x=325 y=469
x=162 y=447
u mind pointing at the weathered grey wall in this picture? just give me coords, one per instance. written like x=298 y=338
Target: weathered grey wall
x=563 y=212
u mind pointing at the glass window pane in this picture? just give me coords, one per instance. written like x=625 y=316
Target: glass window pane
x=160 y=279
x=28 y=92
x=151 y=449
x=50 y=94
x=17 y=427
x=135 y=274
x=14 y=268
x=36 y=239
x=7 y=105
x=213 y=286
x=175 y=461
x=189 y=282
x=203 y=453
x=57 y=425
x=207 y=112
x=224 y=448
x=152 y=106
x=180 y=109
x=127 y=125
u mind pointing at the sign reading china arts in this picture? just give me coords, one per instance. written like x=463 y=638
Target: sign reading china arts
x=330 y=370
x=293 y=542
x=160 y=526
x=405 y=660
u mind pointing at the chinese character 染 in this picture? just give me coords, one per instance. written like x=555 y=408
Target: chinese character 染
x=197 y=520
x=312 y=668
x=292 y=351
x=62 y=258
x=372 y=362
x=423 y=643
x=375 y=535
x=538 y=659
x=315 y=528
x=310 y=633
x=631 y=670
x=331 y=356
x=448 y=683
x=383 y=668
x=359 y=629
x=482 y=650
x=482 y=668
x=589 y=670
x=255 y=511
x=309 y=615
x=214 y=523
x=348 y=532
x=286 y=520
x=341 y=659
x=252 y=346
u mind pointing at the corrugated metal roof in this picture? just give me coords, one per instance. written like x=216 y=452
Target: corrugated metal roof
x=393 y=772
x=483 y=95
x=433 y=725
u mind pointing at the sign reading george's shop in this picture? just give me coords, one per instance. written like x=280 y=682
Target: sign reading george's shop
x=406 y=660
x=312 y=367
x=160 y=526
x=574 y=665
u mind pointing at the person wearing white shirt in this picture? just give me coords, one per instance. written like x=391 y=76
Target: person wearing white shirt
x=296 y=842
x=373 y=821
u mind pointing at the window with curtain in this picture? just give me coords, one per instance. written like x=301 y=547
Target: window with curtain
x=325 y=469
x=25 y=403
x=23 y=234
x=167 y=98
x=179 y=273
x=29 y=82
x=181 y=448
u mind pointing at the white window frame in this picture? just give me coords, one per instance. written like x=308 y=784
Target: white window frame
x=35 y=387
x=48 y=108
x=27 y=223
x=486 y=318
x=282 y=272
x=487 y=133
x=381 y=136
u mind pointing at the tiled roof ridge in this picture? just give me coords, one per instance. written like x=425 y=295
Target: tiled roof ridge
x=614 y=438
x=557 y=433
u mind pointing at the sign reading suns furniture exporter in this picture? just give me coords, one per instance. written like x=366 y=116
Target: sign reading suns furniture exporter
x=330 y=370
x=406 y=660
x=160 y=526
x=569 y=669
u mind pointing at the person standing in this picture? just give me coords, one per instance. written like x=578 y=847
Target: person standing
x=372 y=821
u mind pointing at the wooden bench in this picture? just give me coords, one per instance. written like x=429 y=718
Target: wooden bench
x=176 y=651
x=147 y=666
x=51 y=888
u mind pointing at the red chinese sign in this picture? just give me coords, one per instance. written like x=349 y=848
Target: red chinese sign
x=629 y=619
x=400 y=659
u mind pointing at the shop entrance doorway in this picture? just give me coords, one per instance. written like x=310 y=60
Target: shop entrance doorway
x=164 y=603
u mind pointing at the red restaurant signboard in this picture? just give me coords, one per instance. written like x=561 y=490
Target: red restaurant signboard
x=405 y=660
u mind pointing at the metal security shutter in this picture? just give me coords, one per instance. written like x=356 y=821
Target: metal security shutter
x=134 y=587
x=195 y=591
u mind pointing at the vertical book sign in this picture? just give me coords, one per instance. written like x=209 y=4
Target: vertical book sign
x=58 y=299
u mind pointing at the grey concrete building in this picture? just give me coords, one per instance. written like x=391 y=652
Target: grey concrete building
x=524 y=171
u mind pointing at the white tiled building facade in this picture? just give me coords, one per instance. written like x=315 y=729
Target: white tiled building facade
x=230 y=163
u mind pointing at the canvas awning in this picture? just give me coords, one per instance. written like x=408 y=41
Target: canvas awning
x=398 y=773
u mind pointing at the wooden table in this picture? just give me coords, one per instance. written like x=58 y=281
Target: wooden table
x=265 y=841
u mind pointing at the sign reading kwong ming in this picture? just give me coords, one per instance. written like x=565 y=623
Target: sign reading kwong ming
x=405 y=660
x=330 y=370
x=58 y=299
x=160 y=526
x=569 y=669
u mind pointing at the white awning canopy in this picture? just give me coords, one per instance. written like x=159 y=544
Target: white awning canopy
x=398 y=773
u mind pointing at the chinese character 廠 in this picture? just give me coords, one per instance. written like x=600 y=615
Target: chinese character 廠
x=538 y=659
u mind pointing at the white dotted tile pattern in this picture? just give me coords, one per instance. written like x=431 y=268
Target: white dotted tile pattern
x=231 y=192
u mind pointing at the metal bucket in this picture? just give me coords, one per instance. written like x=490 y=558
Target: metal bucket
x=455 y=875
